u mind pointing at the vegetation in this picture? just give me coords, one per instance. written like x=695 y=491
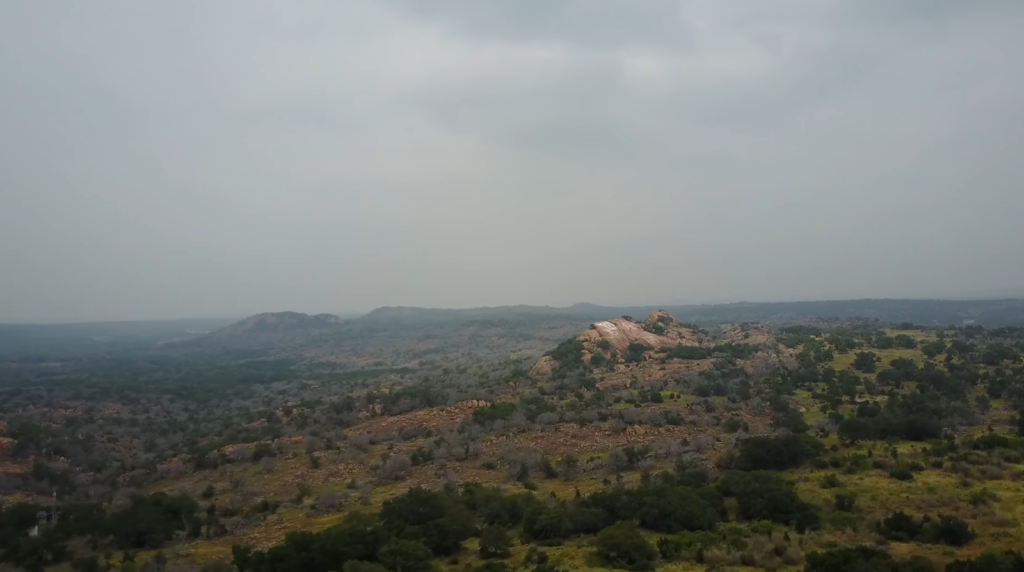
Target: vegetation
x=748 y=446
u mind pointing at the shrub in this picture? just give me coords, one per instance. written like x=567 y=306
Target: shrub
x=830 y=481
x=494 y=543
x=948 y=530
x=405 y=556
x=776 y=453
x=899 y=526
x=763 y=495
x=734 y=424
x=435 y=518
x=622 y=545
x=635 y=352
x=905 y=341
x=568 y=354
x=494 y=412
x=901 y=474
x=1008 y=561
x=863 y=559
x=865 y=362
x=844 y=502
x=983 y=497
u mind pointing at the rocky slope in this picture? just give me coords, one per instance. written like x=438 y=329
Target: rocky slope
x=660 y=330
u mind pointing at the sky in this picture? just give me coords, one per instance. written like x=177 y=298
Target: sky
x=216 y=159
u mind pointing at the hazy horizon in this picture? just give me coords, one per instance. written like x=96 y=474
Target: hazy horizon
x=189 y=160
x=1016 y=294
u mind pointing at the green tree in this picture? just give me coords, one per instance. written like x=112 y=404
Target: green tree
x=494 y=543
x=405 y=556
x=865 y=361
x=362 y=566
x=932 y=349
x=852 y=430
x=904 y=341
x=622 y=545
x=635 y=352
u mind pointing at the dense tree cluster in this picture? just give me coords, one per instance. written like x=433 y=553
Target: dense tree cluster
x=949 y=530
x=147 y=522
x=870 y=559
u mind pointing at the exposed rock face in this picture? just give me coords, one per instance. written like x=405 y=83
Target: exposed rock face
x=543 y=368
x=660 y=330
x=468 y=404
x=755 y=335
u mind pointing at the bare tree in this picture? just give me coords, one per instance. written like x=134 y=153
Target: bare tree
x=312 y=444
x=267 y=465
x=395 y=468
x=329 y=501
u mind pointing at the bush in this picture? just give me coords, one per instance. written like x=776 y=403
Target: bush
x=844 y=502
x=494 y=412
x=151 y=521
x=623 y=546
x=904 y=341
x=983 y=497
x=405 y=556
x=865 y=362
x=433 y=517
x=494 y=543
x=685 y=352
x=830 y=481
x=863 y=559
x=1008 y=561
x=677 y=509
x=948 y=530
x=763 y=495
x=635 y=352
x=901 y=474
x=734 y=424
x=776 y=453
x=568 y=354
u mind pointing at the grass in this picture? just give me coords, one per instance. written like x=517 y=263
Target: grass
x=845 y=360
x=932 y=491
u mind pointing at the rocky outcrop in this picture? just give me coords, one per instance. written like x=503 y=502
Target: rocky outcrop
x=543 y=368
x=755 y=335
x=468 y=404
x=660 y=330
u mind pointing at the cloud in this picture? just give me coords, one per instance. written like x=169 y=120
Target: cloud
x=220 y=159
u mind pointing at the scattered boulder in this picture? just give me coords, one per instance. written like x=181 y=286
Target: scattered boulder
x=543 y=368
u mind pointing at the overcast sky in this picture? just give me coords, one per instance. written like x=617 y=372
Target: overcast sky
x=195 y=158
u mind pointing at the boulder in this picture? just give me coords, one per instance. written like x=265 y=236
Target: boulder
x=543 y=368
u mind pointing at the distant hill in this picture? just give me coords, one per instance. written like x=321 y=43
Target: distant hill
x=405 y=335
x=92 y=337
x=400 y=334
x=923 y=312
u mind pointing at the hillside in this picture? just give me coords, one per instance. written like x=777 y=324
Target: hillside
x=400 y=336
x=896 y=438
